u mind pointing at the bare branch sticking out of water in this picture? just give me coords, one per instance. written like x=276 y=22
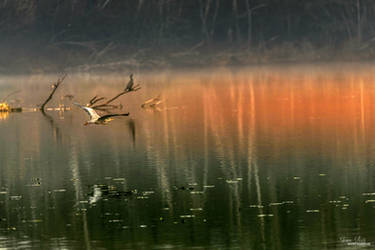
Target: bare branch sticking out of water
x=95 y=99
x=55 y=86
x=129 y=88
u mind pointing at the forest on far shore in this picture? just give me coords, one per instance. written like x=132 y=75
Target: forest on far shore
x=55 y=34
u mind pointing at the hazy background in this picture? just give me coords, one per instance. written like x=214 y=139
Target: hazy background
x=50 y=35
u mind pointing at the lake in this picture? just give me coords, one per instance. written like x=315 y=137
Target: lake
x=268 y=157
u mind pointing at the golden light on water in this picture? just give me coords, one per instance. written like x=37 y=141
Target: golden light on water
x=4 y=115
x=4 y=107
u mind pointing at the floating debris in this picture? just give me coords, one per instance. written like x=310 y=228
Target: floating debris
x=35 y=221
x=281 y=203
x=196 y=209
x=118 y=179
x=36 y=182
x=368 y=194
x=15 y=197
x=59 y=190
x=148 y=192
x=288 y=202
x=276 y=204
x=152 y=103
x=97 y=194
x=3 y=192
x=322 y=175
x=209 y=186
x=114 y=221
x=264 y=215
x=256 y=206
x=142 y=226
x=142 y=197
x=296 y=178
x=108 y=191
x=312 y=211
x=187 y=216
x=370 y=201
x=166 y=208
x=231 y=181
x=334 y=202
x=196 y=192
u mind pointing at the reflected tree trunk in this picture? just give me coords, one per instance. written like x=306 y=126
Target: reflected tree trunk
x=236 y=21
x=204 y=11
x=359 y=28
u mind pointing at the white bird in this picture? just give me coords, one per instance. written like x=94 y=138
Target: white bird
x=95 y=118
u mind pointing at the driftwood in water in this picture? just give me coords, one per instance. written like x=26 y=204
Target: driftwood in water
x=55 y=86
x=107 y=104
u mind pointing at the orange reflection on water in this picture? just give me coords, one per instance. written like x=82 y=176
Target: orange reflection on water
x=4 y=115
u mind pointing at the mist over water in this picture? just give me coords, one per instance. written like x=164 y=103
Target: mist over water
x=260 y=158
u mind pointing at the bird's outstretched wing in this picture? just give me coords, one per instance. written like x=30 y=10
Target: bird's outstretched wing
x=92 y=113
x=105 y=117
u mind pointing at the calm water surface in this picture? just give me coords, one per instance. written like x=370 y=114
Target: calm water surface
x=258 y=158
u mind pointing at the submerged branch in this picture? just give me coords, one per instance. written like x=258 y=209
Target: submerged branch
x=55 y=86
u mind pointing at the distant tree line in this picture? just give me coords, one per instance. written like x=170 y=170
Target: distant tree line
x=250 y=23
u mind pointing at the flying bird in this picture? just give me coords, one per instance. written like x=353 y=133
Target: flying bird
x=130 y=85
x=95 y=118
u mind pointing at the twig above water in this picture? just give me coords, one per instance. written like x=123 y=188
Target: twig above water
x=106 y=105
x=55 y=86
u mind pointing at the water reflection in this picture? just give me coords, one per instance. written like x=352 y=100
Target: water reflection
x=131 y=125
x=265 y=158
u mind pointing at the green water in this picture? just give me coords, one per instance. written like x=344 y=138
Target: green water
x=258 y=158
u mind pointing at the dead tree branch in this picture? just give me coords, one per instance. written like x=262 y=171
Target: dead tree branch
x=106 y=105
x=54 y=86
x=94 y=100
